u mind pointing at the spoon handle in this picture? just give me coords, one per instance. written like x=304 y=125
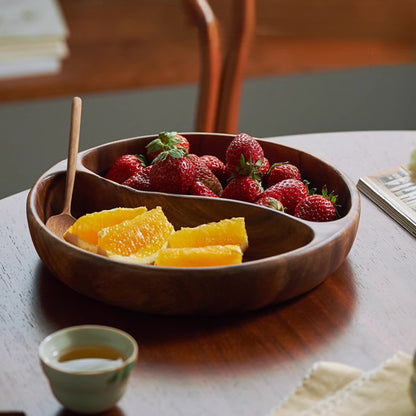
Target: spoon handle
x=72 y=152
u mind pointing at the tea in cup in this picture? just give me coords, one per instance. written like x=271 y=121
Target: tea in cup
x=88 y=366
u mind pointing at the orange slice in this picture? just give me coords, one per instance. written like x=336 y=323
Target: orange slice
x=207 y=256
x=84 y=232
x=225 y=232
x=137 y=240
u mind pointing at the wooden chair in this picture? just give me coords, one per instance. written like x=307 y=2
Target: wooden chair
x=222 y=72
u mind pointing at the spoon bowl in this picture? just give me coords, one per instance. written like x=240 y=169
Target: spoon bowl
x=58 y=224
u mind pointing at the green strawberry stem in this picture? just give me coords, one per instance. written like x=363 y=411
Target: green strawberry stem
x=277 y=164
x=164 y=141
x=330 y=197
x=142 y=159
x=174 y=152
x=248 y=168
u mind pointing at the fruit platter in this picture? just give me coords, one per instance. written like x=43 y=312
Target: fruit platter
x=270 y=245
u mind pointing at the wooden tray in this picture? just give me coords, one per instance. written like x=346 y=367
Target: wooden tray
x=286 y=256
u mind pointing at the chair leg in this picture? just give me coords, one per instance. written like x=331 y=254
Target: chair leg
x=210 y=50
x=234 y=65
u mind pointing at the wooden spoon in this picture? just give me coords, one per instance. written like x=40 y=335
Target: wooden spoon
x=58 y=224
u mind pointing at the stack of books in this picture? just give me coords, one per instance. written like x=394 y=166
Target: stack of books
x=33 y=37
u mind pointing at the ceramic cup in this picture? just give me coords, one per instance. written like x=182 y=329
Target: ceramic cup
x=88 y=384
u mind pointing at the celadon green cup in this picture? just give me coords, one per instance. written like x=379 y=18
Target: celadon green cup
x=91 y=388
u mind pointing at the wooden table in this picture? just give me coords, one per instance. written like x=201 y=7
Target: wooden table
x=232 y=365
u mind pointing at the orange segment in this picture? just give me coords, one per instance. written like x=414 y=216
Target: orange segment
x=225 y=232
x=84 y=232
x=208 y=256
x=137 y=240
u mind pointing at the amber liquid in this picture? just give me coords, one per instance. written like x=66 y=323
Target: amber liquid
x=88 y=358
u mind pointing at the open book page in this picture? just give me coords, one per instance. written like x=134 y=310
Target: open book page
x=395 y=193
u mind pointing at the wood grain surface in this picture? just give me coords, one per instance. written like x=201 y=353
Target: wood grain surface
x=242 y=364
x=125 y=44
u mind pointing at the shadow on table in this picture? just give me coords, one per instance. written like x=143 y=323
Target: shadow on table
x=271 y=335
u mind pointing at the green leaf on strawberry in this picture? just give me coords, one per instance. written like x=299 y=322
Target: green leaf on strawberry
x=166 y=141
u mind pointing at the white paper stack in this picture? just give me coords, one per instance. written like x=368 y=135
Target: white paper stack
x=32 y=37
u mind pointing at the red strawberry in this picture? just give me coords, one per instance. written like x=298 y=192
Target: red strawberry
x=199 y=189
x=165 y=141
x=242 y=188
x=243 y=153
x=140 y=180
x=280 y=171
x=270 y=202
x=204 y=175
x=172 y=171
x=292 y=191
x=124 y=167
x=217 y=167
x=272 y=192
x=317 y=207
x=264 y=167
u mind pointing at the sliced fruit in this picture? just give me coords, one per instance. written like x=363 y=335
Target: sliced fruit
x=84 y=232
x=225 y=232
x=208 y=256
x=137 y=240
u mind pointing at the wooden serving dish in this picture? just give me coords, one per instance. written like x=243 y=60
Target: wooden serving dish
x=286 y=256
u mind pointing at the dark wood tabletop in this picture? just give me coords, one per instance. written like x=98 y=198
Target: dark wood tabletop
x=243 y=364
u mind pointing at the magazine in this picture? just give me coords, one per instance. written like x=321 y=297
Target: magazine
x=394 y=192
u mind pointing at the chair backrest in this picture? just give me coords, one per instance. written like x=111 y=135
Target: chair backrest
x=222 y=72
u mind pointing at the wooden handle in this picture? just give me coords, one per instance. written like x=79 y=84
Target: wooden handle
x=72 y=152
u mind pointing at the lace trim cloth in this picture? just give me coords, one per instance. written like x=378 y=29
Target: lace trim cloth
x=333 y=389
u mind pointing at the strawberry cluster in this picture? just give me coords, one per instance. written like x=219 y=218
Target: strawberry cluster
x=246 y=175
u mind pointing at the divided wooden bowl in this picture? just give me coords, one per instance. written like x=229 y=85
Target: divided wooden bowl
x=286 y=256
